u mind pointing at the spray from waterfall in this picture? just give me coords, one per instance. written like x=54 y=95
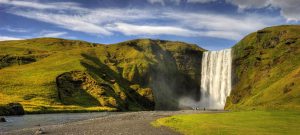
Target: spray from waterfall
x=215 y=80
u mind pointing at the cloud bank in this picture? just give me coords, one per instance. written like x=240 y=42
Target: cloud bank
x=133 y=21
x=288 y=8
x=3 y=38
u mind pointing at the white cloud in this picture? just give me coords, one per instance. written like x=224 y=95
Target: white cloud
x=245 y=4
x=28 y=4
x=236 y=27
x=38 y=5
x=157 y=2
x=97 y=22
x=4 y=38
x=288 y=8
x=163 y=2
x=52 y=34
x=107 y=21
x=129 y=29
x=108 y=15
x=200 y=1
x=13 y=29
x=70 y=22
x=177 y=2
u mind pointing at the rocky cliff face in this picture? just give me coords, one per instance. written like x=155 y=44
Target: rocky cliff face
x=266 y=64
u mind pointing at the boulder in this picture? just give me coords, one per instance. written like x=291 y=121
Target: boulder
x=39 y=132
x=2 y=119
x=12 y=109
x=16 y=109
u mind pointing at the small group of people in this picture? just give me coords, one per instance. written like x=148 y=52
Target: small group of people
x=198 y=108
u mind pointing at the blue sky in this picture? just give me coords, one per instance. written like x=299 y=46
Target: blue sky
x=211 y=24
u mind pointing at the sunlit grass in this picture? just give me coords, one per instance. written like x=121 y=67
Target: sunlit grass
x=266 y=69
x=237 y=123
x=33 y=85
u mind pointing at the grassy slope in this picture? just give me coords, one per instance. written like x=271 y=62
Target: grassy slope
x=249 y=122
x=267 y=70
x=37 y=79
x=130 y=64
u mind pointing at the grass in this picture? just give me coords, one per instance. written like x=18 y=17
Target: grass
x=125 y=69
x=266 y=70
x=137 y=72
x=235 y=123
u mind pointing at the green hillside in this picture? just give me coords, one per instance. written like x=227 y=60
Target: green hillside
x=52 y=75
x=267 y=70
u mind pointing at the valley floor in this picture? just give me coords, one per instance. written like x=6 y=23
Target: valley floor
x=125 y=123
x=188 y=122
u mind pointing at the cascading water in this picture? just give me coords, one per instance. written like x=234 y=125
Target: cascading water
x=215 y=79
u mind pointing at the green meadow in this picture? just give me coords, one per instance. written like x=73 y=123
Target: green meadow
x=235 y=123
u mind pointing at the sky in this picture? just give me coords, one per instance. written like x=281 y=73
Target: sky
x=211 y=24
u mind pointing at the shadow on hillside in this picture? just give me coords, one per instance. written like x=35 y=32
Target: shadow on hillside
x=71 y=92
x=99 y=70
x=171 y=84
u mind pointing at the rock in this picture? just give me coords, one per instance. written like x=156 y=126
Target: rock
x=2 y=119
x=290 y=41
x=113 y=81
x=39 y=131
x=78 y=84
x=12 y=109
x=16 y=109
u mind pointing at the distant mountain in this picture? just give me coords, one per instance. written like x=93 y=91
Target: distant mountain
x=267 y=70
x=52 y=75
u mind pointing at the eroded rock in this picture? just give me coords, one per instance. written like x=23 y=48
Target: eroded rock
x=2 y=119
x=80 y=88
x=12 y=109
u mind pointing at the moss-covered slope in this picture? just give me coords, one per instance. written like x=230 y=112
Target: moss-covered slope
x=49 y=74
x=267 y=70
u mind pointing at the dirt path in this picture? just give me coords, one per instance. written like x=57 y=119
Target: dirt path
x=132 y=123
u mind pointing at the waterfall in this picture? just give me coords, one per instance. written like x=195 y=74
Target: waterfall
x=215 y=79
